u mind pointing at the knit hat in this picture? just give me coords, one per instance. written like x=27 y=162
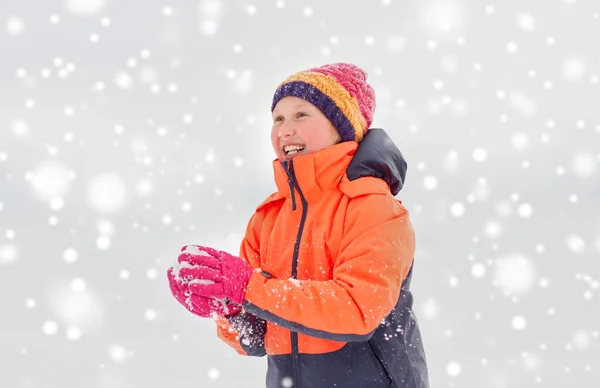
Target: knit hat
x=340 y=91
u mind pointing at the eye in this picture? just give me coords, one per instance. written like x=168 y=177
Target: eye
x=300 y=114
x=278 y=118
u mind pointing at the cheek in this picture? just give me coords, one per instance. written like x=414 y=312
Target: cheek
x=274 y=140
x=314 y=140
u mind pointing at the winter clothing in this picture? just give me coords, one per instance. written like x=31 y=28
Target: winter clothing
x=223 y=275
x=340 y=91
x=188 y=275
x=331 y=305
x=200 y=305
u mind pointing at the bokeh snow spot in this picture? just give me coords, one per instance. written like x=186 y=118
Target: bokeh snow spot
x=514 y=275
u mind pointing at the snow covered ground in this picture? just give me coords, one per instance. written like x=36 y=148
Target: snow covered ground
x=131 y=128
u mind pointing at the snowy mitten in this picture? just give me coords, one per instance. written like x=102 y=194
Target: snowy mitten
x=202 y=306
x=225 y=276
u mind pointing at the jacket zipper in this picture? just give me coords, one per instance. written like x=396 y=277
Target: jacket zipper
x=293 y=182
x=383 y=365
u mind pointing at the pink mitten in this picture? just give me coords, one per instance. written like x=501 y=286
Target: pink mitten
x=200 y=305
x=224 y=275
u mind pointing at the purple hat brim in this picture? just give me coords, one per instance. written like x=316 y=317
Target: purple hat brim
x=322 y=101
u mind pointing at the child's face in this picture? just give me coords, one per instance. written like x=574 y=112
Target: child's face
x=297 y=122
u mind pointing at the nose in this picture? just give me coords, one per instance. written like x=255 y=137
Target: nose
x=285 y=130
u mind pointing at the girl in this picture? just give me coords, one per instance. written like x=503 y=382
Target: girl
x=321 y=285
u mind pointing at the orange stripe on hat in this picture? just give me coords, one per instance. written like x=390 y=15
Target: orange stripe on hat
x=329 y=86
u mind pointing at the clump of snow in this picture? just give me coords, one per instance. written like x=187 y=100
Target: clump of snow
x=178 y=266
x=203 y=282
x=195 y=250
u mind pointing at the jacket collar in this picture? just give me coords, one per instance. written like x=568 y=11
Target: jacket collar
x=377 y=156
x=315 y=173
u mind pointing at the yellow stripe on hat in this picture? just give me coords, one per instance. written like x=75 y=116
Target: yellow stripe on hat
x=340 y=96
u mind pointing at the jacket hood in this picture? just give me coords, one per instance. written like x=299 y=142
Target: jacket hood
x=379 y=157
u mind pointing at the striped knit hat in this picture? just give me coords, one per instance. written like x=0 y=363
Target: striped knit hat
x=340 y=91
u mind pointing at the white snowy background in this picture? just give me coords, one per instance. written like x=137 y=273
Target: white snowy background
x=131 y=128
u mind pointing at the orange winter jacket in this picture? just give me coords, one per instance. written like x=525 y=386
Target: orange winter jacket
x=333 y=254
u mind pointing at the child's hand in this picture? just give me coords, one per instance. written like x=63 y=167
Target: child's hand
x=214 y=273
x=200 y=305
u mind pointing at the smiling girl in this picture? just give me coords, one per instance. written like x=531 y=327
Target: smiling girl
x=321 y=284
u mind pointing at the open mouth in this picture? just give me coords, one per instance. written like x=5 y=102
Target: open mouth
x=292 y=150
